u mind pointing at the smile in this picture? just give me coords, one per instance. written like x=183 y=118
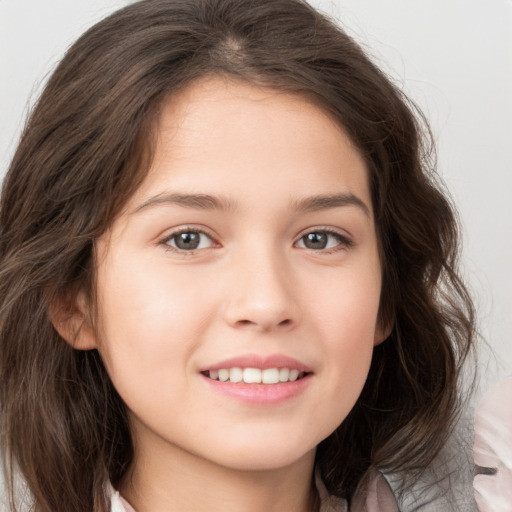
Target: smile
x=255 y=375
x=260 y=380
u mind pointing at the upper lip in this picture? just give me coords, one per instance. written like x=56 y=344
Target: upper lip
x=261 y=362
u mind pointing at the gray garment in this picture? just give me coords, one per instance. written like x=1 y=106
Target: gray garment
x=447 y=485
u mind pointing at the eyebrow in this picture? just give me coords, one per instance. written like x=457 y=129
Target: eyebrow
x=210 y=202
x=325 y=202
x=196 y=201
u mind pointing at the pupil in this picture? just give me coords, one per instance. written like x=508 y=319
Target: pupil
x=187 y=241
x=316 y=240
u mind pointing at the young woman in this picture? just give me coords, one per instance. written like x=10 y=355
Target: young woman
x=228 y=278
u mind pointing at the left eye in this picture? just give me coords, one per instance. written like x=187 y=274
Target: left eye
x=189 y=240
x=321 y=240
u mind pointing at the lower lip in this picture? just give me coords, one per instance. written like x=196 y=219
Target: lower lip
x=261 y=394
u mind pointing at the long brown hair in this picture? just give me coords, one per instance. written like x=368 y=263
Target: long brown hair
x=85 y=149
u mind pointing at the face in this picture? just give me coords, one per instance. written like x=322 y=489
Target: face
x=238 y=291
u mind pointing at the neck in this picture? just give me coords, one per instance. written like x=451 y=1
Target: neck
x=186 y=483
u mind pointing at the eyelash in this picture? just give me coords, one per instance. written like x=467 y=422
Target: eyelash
x=344 y=242
x=166 y=241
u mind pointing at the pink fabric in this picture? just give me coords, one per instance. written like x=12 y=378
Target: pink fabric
x=374 y=494
x=493 y=449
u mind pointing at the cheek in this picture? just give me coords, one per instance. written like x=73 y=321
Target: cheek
x=149 y=320
x=346 y=316
x=347 y=308
x=350 y=350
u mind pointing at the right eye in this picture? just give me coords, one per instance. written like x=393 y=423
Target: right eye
x=188 y=240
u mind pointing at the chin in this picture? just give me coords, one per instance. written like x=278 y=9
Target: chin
x=264 y=455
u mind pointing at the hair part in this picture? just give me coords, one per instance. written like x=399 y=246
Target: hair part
x=86 y=148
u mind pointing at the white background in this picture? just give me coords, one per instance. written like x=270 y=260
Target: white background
x=453 y=57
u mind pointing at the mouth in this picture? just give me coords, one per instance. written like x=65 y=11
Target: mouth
x=259 y=380
x=268 y=376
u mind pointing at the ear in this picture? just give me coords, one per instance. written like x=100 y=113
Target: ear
x=72 y=320
x=382 y=332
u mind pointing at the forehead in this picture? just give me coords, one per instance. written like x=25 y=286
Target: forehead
x=237 y=107
x=219 y=132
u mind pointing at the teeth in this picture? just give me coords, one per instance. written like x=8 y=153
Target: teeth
x=255 y=375
x=252 y=376
x=270 y=376
x=294 y=374
x=235 y=375
x=223 y=375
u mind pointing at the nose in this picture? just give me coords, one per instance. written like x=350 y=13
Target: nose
x=261 y=295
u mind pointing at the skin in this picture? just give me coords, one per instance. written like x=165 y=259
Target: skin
x=252 y=287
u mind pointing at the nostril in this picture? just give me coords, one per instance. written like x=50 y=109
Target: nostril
x=264 y=324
